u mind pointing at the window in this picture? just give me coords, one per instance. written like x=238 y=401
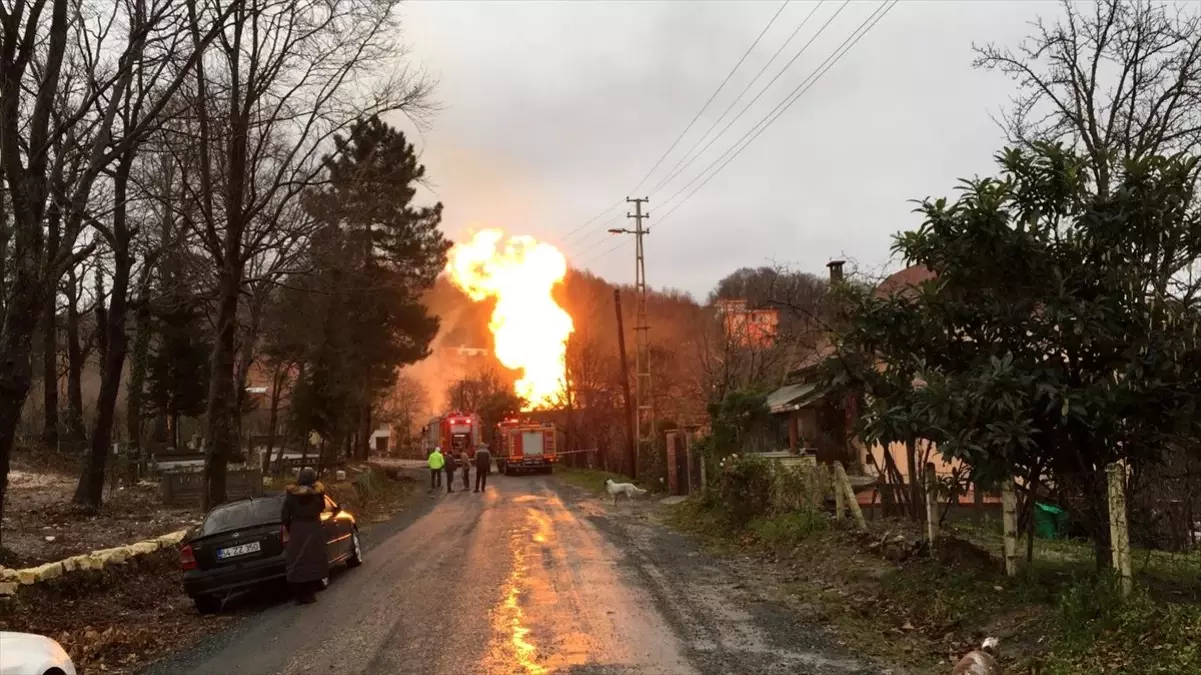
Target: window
x=248 y=513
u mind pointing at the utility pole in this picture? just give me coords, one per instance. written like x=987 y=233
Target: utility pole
x=642 y=361
x=631 y=435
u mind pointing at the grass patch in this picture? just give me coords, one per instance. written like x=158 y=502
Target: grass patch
x=1057 y=618
x=1098 y=632
x=592 y=480
x=788 y=528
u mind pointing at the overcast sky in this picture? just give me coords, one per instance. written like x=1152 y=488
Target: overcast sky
x=553 y=111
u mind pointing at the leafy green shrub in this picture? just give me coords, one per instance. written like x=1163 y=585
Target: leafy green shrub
x=799 y=487
x=745 y=487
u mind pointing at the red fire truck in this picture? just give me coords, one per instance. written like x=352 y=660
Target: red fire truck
x=454 y=432
x=526 y=445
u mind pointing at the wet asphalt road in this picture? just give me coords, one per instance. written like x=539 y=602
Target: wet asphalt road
x=531 y=577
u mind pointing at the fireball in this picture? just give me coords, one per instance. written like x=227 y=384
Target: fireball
x=530 y=329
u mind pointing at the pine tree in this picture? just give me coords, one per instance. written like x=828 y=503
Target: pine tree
x=374 y=255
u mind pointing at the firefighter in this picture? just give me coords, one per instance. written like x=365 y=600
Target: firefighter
x=436 y=461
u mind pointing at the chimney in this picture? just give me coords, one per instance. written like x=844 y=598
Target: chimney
x=835 y=270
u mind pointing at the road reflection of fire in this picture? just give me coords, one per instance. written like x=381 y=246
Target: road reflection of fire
x=512 y=616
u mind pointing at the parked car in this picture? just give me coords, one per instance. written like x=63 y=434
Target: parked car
x=29 y=654
x=240 y=545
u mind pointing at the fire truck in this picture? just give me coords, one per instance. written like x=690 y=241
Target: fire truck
x=525 y=445
x=454 y=432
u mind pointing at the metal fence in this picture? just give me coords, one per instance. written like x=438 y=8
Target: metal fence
x=185 y=489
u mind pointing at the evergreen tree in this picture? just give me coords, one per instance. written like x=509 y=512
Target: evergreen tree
x=374 y=254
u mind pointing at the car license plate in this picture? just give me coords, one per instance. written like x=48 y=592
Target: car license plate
x=234 y=551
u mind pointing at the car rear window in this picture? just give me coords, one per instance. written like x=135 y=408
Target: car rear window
x=242 y=514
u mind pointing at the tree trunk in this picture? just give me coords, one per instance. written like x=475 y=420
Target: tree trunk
x=364 y=449
x=50 y=372
x=50 y=328
x=1097 y=494
x=16 y=371
x=246 y=355
x=295 y=433
x=90 y=491
x=222 y=398
x=916 y=499
x=74 y=423
x=277 y=382
x=137 y=375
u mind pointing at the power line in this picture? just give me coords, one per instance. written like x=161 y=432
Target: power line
x=593 y=219
x=692 y=158
x=588 y=241
x=847 y=44
x=567 y=237
x=715 y=93
x=784 y=105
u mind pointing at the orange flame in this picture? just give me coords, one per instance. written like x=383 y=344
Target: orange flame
x=530 y=328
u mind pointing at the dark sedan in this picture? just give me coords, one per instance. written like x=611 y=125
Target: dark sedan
x=240 y=545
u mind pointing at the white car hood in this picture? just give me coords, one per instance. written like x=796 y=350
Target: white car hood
x=28 y=654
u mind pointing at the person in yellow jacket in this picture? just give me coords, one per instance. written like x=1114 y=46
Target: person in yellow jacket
x=436 y=462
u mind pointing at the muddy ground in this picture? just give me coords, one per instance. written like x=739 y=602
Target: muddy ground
x=41 y=525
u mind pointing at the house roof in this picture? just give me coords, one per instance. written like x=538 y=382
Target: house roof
x=896 y=283
x=903 y=280
x=823 y=350
x=791 y=397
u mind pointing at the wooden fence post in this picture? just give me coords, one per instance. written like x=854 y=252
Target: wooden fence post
x=842 y=485
x=1009 y=519
x=839 y=506
x=931 y=505
x=1119 y=529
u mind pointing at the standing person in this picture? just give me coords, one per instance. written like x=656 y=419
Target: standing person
x=449 y=466
x=483 y=467
x=304 y=552
x=436 y=461
x=465 y=467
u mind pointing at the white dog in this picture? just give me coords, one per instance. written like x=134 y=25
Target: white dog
x=627 y=489
x=982 y=661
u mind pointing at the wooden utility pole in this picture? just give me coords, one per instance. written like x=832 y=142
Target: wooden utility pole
x=631 y=436
x=642 y=358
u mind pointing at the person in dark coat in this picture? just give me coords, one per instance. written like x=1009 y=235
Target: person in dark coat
x=307 y=560
x=483 y=466
x=449 y=467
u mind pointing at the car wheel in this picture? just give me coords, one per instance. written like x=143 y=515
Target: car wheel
x=356 y=551
x=207 y=604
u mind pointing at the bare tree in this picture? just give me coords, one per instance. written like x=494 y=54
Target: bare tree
x=269 y=95
x=34 y=43
x=1119 y=78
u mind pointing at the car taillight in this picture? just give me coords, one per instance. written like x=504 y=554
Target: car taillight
x=187 y=559
x=283 y=533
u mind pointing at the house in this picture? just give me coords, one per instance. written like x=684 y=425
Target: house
x=814 y=423
x=748 y=327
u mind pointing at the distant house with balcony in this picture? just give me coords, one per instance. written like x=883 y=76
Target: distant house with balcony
x=755 y=328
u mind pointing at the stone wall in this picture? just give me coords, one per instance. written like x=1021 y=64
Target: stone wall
x=12 y=580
